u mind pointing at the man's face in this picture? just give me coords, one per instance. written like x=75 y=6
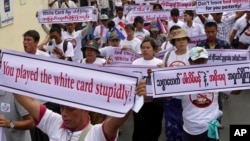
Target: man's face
x=73 y=118
x=90 y=53
x=187 y=18
x=217 y=16
x=56 y=36
x=129 y=32
x=199 y=61
x=175 y=18
x=211 y=32
x=120 y=14
x=70 y=27
x=29 y=44
x=114 y=42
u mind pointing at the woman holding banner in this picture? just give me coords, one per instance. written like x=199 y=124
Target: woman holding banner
x=148 y=121
x=172 y=108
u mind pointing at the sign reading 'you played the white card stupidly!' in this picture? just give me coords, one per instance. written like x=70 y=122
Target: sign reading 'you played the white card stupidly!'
x=83 y=86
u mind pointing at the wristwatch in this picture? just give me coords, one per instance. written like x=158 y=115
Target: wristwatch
x=12 y=125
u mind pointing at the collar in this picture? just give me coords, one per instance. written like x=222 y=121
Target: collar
x=81 y=128
x=139 y=30
x=72 y=32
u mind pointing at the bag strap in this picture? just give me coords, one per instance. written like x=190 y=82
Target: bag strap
x=66 y=4
x=85 y=132
x=166 y=59
x=65 y=46
x=248 y=24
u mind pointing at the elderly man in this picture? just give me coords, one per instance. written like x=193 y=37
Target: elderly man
x=74 y=124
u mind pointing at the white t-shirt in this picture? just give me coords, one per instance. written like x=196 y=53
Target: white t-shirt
x=195 y=30
x=51 y=124
x=142 y=61
x=176 y=60
x=135 y=44
x=106 y=52
x=41 y=53
x=102 y=32
x=97 y=61
x=141 y=34
x=179 y=23
x=75 y=38
x=68 y=53
x=168 y=46
x=198 y=111
x=239 y=25
x=117 y=20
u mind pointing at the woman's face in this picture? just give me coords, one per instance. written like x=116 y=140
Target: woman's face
x=181 y=43
x=147 y=51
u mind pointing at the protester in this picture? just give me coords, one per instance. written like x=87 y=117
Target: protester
x=119 y=16
x=175 y=13
x=172 y=107
x=68 y=4
x=101 y=31
x=74 y=124
x=140 y=32
x=148 y=121
x=167 y=45
x=131 y=42
x=155 y=35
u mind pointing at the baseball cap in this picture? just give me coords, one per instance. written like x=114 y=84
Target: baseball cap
x=91 y=44
x=153 y=26
x=198 y=52
x=104 y=17
x=114 y=35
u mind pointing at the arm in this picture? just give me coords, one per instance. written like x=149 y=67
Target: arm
x=202 y=18
x=30 y=104
x=50 y=4
x=24 y=124
x=45 y=28
x=233 y=33
x=86 y=30
x=112 y=124
x=238 y=15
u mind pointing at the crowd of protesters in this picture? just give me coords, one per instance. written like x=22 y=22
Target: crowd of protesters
x=187 y=118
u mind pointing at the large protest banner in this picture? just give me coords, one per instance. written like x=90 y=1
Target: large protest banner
x=68 y=15
x=220 y=6
x=83 y=86
x=198 y=79
x=180 y=4
x=137 y=8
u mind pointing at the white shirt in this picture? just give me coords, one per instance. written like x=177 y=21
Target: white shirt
x=102 y=32
x=97 y=61
x=198 y=111
x=195 y=30
x=2 y=135
x=179 y=23
x=135 y=44
x=239 y=25
x=103 y=4
x=41 y=53
x=175 y=60
x=118 y=3
x=142 y=61
x=117 y=20
x=167 y=46
x=107 y=52
x=141 y=34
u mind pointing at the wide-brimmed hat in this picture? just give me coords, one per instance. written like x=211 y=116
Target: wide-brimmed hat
x=198 y=52
x=91 y=44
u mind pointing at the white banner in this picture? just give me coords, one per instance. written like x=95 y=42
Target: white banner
x=83 y=86
x=68 y=15
x=137 y=8
x=195 y=40
x=227 y=55
x=123 y=56
x=146 y=1
x=198 y=79
x=220 y=6
x=180 y=4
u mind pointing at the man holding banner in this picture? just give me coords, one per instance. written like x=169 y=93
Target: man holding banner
x=74 y=124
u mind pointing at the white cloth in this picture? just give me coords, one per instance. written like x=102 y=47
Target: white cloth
x=97 y=61
x=141 y=34
x=2 y=135
x=68 y=53
x=118 y=3
x=54 y=5
x=168 y=46
x=195 y=30
x=135 y=44
x=41 y=53
x=198 y=111
x=142 y=61
x=103 y=4
x=117 y=20
x=51 y=124
x=106 y=52
x=103 y=35
x=179 y=23
x=239 y=25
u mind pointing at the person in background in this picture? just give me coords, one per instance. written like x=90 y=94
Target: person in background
x=148 y=121
x=140 y=32
x=175 y=13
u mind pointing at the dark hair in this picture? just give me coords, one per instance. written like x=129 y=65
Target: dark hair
x=138 y=19
x=119 y=9
x=151 y=41
x=190 y=13
x=210 y=24
x=111 y=24
x=157 y=5
x=175 y=12
x=130 y=26
x=55 y=29
x=174 y=27
x=32 y=33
